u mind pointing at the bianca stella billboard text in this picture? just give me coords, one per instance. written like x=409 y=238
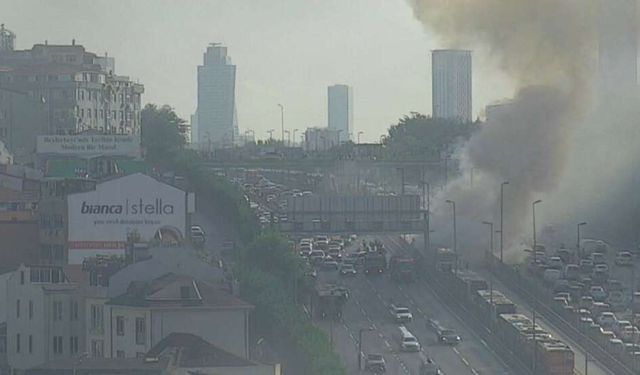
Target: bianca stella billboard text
x=100 y=220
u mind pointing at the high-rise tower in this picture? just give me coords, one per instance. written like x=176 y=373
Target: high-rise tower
x=451 y=84
x=216 y=114
x=340 y=111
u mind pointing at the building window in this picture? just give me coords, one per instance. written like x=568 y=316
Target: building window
x=30 y=344
x=73 y=344
x=30 y=309
x=97 y=348
x=73 y=310
x=17 y=343
x=120 y=354
x=18 y=309
x=120 y=325
x=57 y=344
x=57 y=310
x=97 y=318
x=140 y=331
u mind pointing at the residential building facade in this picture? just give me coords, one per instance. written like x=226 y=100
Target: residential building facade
x=340 y=111
x=216 y=114
x=451 y=84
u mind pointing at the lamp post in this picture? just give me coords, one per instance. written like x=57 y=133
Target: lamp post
x=490 y=224
x=360 y=345
x=359 y=134
x=535 y=244
x=502 y=185
x=455 y=239
x=282 y=120
x=578 y=238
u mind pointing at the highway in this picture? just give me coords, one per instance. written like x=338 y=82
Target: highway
x=367 y=307
x=594 y=368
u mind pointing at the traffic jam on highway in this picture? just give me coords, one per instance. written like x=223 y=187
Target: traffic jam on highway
x=389 y=308
x=595 y=290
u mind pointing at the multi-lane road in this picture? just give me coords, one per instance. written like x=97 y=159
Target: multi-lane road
x=367 y=307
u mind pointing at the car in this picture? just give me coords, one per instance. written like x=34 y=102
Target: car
x=564 y=295
x=621 y=325
x=400 y=314
x=555 y=263
x=598 y=293
x=330 y=265
x=196 y=229
x=347 y=269
x=598 y=258
x=586 y=266
x=375 y=363
x=429 y=367
x=586 y=302
x=550 y=276
x=445 y=335
x=624 y=258
x=616 y=299
x=607 y=319
x=564 y=254
x=316 y=256
x=350 y=259
x=334 y=252
x=572 y=272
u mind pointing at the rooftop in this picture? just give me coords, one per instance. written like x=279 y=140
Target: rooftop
x=172 y=290
x=193 y=351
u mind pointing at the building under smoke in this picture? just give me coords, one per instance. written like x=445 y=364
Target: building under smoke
x=451 y=84
x=618 y=46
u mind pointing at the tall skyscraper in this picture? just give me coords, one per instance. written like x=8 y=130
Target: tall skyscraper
x=216 y=114
x=451 y=86
x=340 y=110
x=618 y=46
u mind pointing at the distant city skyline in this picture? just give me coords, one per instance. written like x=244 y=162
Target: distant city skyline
x=388 y=67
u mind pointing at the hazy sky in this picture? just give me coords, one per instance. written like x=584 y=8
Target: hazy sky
x=286 y=51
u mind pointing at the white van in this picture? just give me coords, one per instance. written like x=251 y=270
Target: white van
x=407 y=341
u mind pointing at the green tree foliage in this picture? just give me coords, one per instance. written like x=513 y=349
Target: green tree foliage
x=419 y=137
x=161 y=137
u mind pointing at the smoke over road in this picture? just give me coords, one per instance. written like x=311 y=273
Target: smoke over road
x=541 y=141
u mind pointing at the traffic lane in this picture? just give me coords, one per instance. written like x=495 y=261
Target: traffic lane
x=594 y=367
x=375 y=313
x=472 y=351
x=357 y=315
x=449 y=358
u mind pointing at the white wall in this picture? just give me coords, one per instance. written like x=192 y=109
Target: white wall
x=127 y=342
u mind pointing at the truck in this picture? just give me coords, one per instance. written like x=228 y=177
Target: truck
x=375 y=262
x=402 y=268
x=329 y=300
x=445 y=259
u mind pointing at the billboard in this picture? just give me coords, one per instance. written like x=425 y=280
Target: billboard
x=100 y=220
x=89 y=145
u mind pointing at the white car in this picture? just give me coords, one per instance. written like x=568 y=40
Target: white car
x=197 y=230
x=624 y=258
x=607 y=319
x=555 y=263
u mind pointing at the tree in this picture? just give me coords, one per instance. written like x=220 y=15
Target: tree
x=161 y=134
x=419 y=137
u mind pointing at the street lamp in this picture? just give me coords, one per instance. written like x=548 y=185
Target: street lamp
x=578 y=238
x=282 y=120
x=535 y=244
x=359 y=134
x=455 y=239
x=368 y=329
x=502 y=185
x=490 y=224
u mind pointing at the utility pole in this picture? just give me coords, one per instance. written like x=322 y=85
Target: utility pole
x=455 y=237
x=535 y=244
x=501 y=218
